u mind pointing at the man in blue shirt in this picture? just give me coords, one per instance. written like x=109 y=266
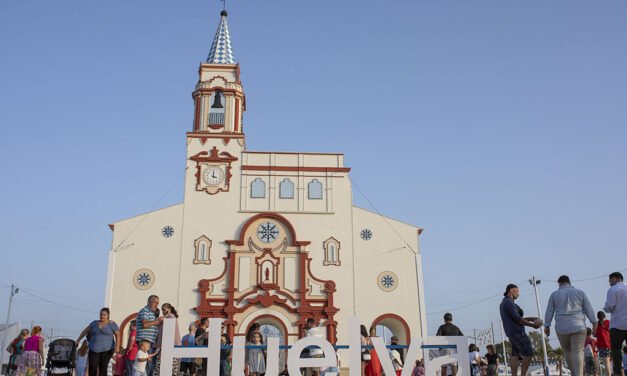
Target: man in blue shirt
x=570 y=306
x=616 y=304
x=514 y=324
x=189 y=340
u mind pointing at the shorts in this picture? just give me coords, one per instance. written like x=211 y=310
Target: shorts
x=604 y=353
x=521 y=345
x=448 y=351
x=590 y=366
x=188 y=366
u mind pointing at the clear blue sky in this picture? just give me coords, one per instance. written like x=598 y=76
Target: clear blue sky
x=500 y=127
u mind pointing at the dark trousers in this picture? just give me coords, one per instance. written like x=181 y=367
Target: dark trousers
x=617 y=337
x=129 y=367
x=99 y=361
x=203 y=371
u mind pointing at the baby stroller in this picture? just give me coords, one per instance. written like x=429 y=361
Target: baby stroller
x=61 y=357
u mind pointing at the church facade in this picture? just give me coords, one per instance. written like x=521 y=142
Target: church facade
x=266 y=237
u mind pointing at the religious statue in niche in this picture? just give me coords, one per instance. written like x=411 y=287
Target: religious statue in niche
x=267 y=273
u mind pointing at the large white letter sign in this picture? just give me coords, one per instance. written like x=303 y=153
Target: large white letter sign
x=272 y=357
x=239 y=356
x=295 y=362
x=354 y=347
x=461 y=356
x=212 y=352
x=329 y=357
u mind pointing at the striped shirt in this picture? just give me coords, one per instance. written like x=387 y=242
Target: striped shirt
x=149 y=334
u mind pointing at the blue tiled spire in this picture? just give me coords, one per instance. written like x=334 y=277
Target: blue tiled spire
x=221 y=51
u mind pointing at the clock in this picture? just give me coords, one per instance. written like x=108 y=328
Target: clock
x=213 y=170
x=213 y=175
x=267 y=232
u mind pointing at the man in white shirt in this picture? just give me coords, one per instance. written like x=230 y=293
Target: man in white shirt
x=570 y=307
x=616 y=304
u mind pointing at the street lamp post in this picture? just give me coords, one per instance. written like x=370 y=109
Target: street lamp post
x=535 y=282
x=14 y=290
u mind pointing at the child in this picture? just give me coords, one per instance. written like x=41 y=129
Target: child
x=81 y=359
x=419 y=370
x=119 y=366
x=603 y=342
x=590 y=355
x=255 y=357
x=139 y=369
x=475 y=360
x=493 y=361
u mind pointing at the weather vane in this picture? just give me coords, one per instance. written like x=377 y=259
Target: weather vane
x=223 y=4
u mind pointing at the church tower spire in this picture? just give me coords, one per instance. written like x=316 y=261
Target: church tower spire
x=219 y=101
x=221 y=51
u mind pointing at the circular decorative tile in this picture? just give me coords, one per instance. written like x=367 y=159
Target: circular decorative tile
x=143 y=279
x=387 y=281
x=267 y=232
x=366 y=234
x=167 y=231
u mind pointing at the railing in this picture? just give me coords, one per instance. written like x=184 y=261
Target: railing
x=216 y=118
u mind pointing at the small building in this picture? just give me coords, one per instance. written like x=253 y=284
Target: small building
x=262 y=236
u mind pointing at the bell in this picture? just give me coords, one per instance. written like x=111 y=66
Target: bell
x=217 y=102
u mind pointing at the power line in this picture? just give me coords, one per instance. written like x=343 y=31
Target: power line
x=384 y=217
x=605 y=275
x=55 y=303
x=150 y=211
x=466 y=305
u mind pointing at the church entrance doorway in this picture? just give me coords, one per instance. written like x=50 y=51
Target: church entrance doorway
x=270 y=326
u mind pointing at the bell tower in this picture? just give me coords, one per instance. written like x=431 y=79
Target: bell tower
x=219 y=101
x=215 y=144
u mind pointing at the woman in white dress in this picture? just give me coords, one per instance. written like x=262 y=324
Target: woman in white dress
x=255 y=358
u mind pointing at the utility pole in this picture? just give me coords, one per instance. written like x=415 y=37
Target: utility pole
x=14 y=290
x=535 y=282
x=492 y=331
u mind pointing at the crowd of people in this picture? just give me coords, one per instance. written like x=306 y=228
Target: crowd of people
x=569 y=307
x=100 y=351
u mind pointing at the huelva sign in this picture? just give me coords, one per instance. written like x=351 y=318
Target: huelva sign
x=329 y=359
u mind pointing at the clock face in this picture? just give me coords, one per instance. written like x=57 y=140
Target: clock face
x=213 y=175
x=267 y=232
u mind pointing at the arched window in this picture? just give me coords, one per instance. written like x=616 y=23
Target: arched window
x=286 y=189
x=315 y=190
x=217 y=103
x=258 y=188
x=202 y=254
x=332 y=253
x=331 y=248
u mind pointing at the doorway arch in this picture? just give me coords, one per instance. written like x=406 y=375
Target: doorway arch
x=272 y=326
x=392 y=324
